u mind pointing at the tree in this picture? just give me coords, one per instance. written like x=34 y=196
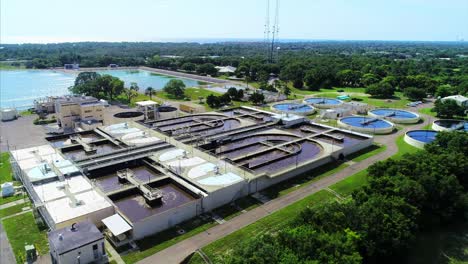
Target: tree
x=150 y=92
x=369 y=78
x=175 y=88
x=86 y=83
x=445 y=90
x=448 y=108
x=86 y=77
x=381 y=90
x=207 y=69
x=415 y=94
x=257 y=98
x=213 y=101
x=134 y=86
x=319 y=77
x=130 y=93
x=110 y=85
x=189 y=67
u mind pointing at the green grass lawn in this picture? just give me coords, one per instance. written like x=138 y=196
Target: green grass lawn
x=196 y=259
x=157 y=242
x=270 y=223
x=353 y=182
x=22 y=230
x=5 y=168
x=403 y=148
x=13 y=209
x=427 y=111
x=366 y=153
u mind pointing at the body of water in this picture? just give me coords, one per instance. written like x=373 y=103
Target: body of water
x=19 y=88
x=144 y=79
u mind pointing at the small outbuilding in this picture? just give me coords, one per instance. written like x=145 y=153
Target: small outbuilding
x=79 y=243
x=460 y=99
x=8 y=189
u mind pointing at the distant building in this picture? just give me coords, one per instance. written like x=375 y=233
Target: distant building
x=81 y=243
x=226 y=69
x=71 y=66
x=112 y=65
x=78 y=111
x=460 y=99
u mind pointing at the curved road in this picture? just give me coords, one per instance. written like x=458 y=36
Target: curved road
x=179 y=251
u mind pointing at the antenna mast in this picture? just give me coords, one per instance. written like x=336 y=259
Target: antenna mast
x=266 y=33
x=274 y=31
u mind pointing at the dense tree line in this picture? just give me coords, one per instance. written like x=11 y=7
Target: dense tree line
x=419 y=192
x=415 y=68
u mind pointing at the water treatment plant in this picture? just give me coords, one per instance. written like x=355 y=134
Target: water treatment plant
x=152 y=174
x=450 y=125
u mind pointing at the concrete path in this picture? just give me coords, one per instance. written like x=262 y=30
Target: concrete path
x=10 y=204
x=6 y=252
x=177 y=252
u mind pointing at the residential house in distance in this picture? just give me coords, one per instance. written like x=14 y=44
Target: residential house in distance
x=79 y=111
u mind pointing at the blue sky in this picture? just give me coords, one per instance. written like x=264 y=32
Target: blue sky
x=41 y=21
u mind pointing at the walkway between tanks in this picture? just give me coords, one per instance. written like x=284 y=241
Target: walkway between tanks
x=177 y=252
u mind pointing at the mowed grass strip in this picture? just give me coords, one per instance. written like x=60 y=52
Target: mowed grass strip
x=350 y=184
x=22 y=230
x=5 y=168
x=13 y=209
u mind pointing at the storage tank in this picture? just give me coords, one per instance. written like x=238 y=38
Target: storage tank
x=128 y=116
x=8 y=114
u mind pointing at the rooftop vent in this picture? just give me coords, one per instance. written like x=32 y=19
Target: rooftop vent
x=73 y=227
x=60 y=236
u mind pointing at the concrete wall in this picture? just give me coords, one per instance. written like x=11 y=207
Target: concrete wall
x=225 y=195
x=398 y=120
x=413 y=142
x=378 y=131
x=86 y=254
x=165 y=220
x=94 y=217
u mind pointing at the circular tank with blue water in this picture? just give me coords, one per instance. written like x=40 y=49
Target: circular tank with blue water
x=395 y=115
x=294 y=108
x=450 y=125
x=321 y=102
x=366 y=124
x=419 y=138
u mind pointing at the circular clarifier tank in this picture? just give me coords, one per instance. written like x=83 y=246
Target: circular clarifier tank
x=419 y=138
x=128 y=116
x=366 y=124
x=395 y=115
x=294 y=108
x=321 y=102
x=450 y=125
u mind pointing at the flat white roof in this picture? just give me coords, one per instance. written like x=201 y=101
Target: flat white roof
x=29 y=158
x=146 y=103
x=62 y=210
x=54 y=190
x=116 y=224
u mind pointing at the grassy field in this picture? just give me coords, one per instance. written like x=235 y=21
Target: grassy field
x=366 y=153
x=22 y=230
x=5 y=168
x=427 y=111
x=270 y=223
x=403 y=147
x=13 y=209
x=348 y=185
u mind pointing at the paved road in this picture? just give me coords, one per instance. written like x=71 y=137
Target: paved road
x=177 y=252
x=6 y=253
x=21 y=133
